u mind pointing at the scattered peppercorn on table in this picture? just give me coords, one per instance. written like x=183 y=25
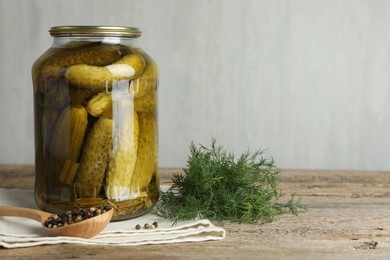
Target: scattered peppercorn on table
x=348 y=216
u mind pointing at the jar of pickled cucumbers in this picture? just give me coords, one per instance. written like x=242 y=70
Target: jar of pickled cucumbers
x=95 y=108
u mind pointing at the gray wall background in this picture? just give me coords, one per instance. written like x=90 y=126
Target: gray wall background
x=307 y=80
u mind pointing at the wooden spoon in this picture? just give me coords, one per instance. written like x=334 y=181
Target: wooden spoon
x=85 y=229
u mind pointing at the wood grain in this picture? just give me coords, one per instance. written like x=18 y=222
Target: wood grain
x=347 y=217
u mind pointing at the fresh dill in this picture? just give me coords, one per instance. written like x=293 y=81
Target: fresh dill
x=218 y=187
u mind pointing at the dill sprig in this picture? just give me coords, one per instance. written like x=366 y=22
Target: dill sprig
x=217 y=186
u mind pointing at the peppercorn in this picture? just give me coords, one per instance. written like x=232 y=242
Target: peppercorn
x=146 y=225
x=137 y=226
x=155 y=224
x=78 y=218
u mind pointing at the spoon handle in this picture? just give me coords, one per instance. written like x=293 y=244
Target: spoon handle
x=35 y=214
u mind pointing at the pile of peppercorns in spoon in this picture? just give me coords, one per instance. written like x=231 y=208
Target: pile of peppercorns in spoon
x=84 y=223
x=71 y=217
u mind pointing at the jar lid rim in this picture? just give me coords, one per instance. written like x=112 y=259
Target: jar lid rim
x=86 y=30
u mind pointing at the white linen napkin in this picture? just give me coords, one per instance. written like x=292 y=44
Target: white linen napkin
x=22 y=232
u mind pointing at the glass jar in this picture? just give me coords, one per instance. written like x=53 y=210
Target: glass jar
x=95 y=108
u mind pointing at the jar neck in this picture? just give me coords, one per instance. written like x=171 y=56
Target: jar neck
x=66 y=42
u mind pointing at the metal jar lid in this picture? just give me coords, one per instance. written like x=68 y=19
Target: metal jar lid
x=91 y=31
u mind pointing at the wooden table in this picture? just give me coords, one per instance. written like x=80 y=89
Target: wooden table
x=348 y=216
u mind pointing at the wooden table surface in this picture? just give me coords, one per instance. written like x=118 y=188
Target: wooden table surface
x=348 y=217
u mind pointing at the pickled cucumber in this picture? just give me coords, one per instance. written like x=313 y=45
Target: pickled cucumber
x=95 y=77
x=94 y=54
x=94 y=158
x=147 y=153
x=123 y=155
x=147 y=82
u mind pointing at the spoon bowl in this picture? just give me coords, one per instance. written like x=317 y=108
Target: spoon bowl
x=84 y=229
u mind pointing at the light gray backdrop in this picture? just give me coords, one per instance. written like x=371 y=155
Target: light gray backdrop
x=307 y=80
